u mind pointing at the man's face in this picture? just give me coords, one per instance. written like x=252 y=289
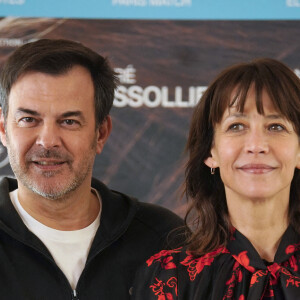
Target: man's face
x=50 y=132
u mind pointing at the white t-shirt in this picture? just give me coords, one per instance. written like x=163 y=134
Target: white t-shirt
x=68 y=248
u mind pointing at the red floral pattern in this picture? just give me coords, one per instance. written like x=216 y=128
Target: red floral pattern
x=249 y=278
x=257 y=275
x=292 y=248
x=237 y=276
x=160 y=288
x=244 y=260
x=196 y=265
x=293 y=263
x=165 y=262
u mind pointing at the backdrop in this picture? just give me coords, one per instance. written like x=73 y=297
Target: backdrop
x=164 y=65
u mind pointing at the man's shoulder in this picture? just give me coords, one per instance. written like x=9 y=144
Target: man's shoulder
x=157 y=217
x=150 y=215
x=8 y=184
x=162 y=224
x=147 y=221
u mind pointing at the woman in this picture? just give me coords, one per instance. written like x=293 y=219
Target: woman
x=243 y=181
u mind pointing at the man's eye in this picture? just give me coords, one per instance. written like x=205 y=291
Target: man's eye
x=236 y=127
x=71 y=122
x=27 y=122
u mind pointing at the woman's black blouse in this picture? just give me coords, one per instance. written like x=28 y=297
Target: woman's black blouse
x=234 y=272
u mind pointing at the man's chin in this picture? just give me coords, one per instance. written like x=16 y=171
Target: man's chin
x=51 y=189
x=51 y=194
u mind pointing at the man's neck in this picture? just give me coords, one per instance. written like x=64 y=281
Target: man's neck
x=75 y=211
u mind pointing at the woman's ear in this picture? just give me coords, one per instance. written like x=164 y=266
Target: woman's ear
x=211 y=162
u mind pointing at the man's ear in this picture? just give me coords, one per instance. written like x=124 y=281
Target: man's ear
x=103 y=134
x=2 y=129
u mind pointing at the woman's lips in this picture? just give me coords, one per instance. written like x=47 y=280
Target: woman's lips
x=257 y=168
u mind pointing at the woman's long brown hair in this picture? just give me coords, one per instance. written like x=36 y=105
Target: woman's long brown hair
x=208 y=213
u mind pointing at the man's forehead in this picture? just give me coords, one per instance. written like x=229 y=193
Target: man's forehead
x=70 y=91
x=51 y=73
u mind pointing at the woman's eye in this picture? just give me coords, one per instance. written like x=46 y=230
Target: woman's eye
x=276 y=127
x=236 y=127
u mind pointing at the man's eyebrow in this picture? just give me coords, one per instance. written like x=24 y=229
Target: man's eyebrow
x=67 y=114
x=76 y=113
x=27 y=111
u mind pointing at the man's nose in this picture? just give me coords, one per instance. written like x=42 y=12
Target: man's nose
x=49 y=136
x=257 y=142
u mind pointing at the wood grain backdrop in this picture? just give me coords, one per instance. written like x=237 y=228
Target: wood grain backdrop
x=144 y=155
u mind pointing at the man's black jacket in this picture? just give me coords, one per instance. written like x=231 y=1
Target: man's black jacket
x=129 y=233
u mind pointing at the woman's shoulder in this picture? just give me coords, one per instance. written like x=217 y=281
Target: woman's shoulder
x=170 y=259
x=166 y=259
x=158 y=276
x=161 y=272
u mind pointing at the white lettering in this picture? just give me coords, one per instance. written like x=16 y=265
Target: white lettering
x=152 y=91
x=4 y=42
x=166 y=102
x=293 y=3
x=121 y=100
x=199 y=93
x=153 y=96
x=12 y=2
x=170 y=3
x=135 y=96
x=176 y=3
x=127 y=75
x=129 y=2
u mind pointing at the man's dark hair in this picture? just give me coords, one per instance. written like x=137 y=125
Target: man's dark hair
x=56 y=57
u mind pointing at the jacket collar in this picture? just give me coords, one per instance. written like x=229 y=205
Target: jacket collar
x=118 y=210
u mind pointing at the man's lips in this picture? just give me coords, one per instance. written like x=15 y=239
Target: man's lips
x=48 y=164
x=256 y=168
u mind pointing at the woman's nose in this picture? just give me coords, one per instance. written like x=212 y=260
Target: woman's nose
x=256 y=142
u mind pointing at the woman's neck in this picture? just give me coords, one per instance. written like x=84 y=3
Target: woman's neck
x=262 y=221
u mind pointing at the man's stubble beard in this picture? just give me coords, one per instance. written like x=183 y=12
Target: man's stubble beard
x=43 y=189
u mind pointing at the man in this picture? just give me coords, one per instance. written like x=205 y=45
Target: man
x=64 y=235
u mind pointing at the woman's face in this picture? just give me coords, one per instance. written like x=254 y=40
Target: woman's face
x=256 y=154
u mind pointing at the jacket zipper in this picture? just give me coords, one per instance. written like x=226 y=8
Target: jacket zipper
x=74 y=292
x=74 y=296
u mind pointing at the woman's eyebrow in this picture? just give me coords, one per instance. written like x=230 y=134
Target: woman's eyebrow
x=275 y=116
x=235 y=115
